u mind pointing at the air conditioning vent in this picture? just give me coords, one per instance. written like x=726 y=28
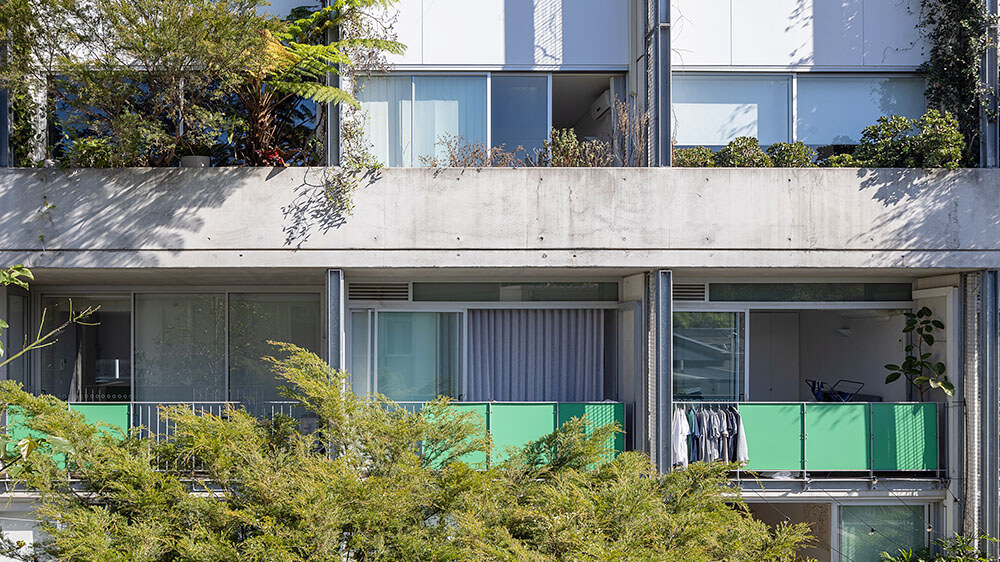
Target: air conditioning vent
x=378 y=291
x=691 y=292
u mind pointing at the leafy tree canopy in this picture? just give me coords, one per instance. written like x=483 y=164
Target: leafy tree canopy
x=365 y=480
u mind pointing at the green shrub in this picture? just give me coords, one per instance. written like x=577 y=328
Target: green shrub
x=743 y=152
x=933 y=141
x=565 y=150
x=940 y=143
x=694 y=157
x=840 y=161
x=886 y=144
x=791 y=155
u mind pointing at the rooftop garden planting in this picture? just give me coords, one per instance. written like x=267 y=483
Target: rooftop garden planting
x=933 y=141
x=147 y=82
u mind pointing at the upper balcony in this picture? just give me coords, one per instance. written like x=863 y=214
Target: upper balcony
x=621 y=218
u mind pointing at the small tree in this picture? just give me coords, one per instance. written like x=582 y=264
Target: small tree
x=917 y=366
x=370 y=481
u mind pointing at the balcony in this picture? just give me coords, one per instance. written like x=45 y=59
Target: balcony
x=509 y=424
x=827 y=437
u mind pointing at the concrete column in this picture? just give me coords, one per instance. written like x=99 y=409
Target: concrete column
x=336 y=301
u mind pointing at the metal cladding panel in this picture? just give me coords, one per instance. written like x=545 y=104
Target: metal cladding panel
x=904 y=436
x=475 y=460
x=837 y=437
x=774 y=436
x=103 y=415
x=599 y=415
x=514 y=425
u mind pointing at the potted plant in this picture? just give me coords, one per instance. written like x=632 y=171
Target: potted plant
x=917 y=366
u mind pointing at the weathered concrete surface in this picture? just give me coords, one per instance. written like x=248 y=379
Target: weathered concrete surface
x=612 y=217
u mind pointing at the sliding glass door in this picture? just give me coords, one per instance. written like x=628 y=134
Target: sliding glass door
x=709 y=355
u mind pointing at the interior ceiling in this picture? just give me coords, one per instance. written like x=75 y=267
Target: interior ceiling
x=316 y=276
x=573 y=94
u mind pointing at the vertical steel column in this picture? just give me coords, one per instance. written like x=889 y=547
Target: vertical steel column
x=989 y=408
x=5 y=119
x=663 y=296
x=658 y=78
x=989 y=131
x=336 y=301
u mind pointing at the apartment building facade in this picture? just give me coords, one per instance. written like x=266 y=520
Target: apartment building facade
x=535 y=294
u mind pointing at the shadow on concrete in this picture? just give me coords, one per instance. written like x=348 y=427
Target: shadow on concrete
x=935 y=210
x=319 y=205
x=109 y=209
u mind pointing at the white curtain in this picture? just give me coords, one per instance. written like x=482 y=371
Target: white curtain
x=536 y=355
x=447 y=106
x=387 y=103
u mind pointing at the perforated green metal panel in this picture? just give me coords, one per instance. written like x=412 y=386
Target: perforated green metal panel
x=774 y=436
x=905 y=436
x=104 y=415
x=513 y=425
x=837 y=437
x=599 y=415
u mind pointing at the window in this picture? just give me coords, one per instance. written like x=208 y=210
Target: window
x=835 y=109
x=515 y=292
x=418 y=355
x=255 y=319
x=810 y=292
x=867 y=530
x=520 y=112
x=708 y=355
x=713 y=110
x=88 y=362
x=408 y=118
x=180 y=347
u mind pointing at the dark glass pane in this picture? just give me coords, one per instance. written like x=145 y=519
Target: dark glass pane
x=810 y=292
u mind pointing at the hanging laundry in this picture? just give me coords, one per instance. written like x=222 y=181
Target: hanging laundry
x=680 y=429
x=707 y=433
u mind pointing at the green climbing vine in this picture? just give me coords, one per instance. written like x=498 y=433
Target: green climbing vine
x=957 y=36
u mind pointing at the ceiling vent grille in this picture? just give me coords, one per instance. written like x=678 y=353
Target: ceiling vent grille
x=378 y=291
x=691 y=292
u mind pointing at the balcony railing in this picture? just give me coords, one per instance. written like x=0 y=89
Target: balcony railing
x=509 y=424
x=841 y=437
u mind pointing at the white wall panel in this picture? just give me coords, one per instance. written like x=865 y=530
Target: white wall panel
x=463 y=32
x=772 y=32
x=514 y=33
x=796 y=33
x=701 y=32
x=891 y=37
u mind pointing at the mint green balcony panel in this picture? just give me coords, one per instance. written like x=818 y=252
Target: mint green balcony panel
x=905 y=436
x=774 y=436
x=513 y=425
x=475 y=460
x=103 y=415
x=837 y=437
x=599 y=415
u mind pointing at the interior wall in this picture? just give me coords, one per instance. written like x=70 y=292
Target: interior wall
x=819 y=516
x=774 y=356
x=838 y=344
x=788 y=347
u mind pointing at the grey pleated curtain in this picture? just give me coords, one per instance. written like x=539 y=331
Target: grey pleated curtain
x=536 y=355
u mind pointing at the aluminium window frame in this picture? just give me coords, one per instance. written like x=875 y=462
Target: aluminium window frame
x=488 y=74
x=793 y=75
x=374 y=307
x=837 y=519
x=35 y=367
